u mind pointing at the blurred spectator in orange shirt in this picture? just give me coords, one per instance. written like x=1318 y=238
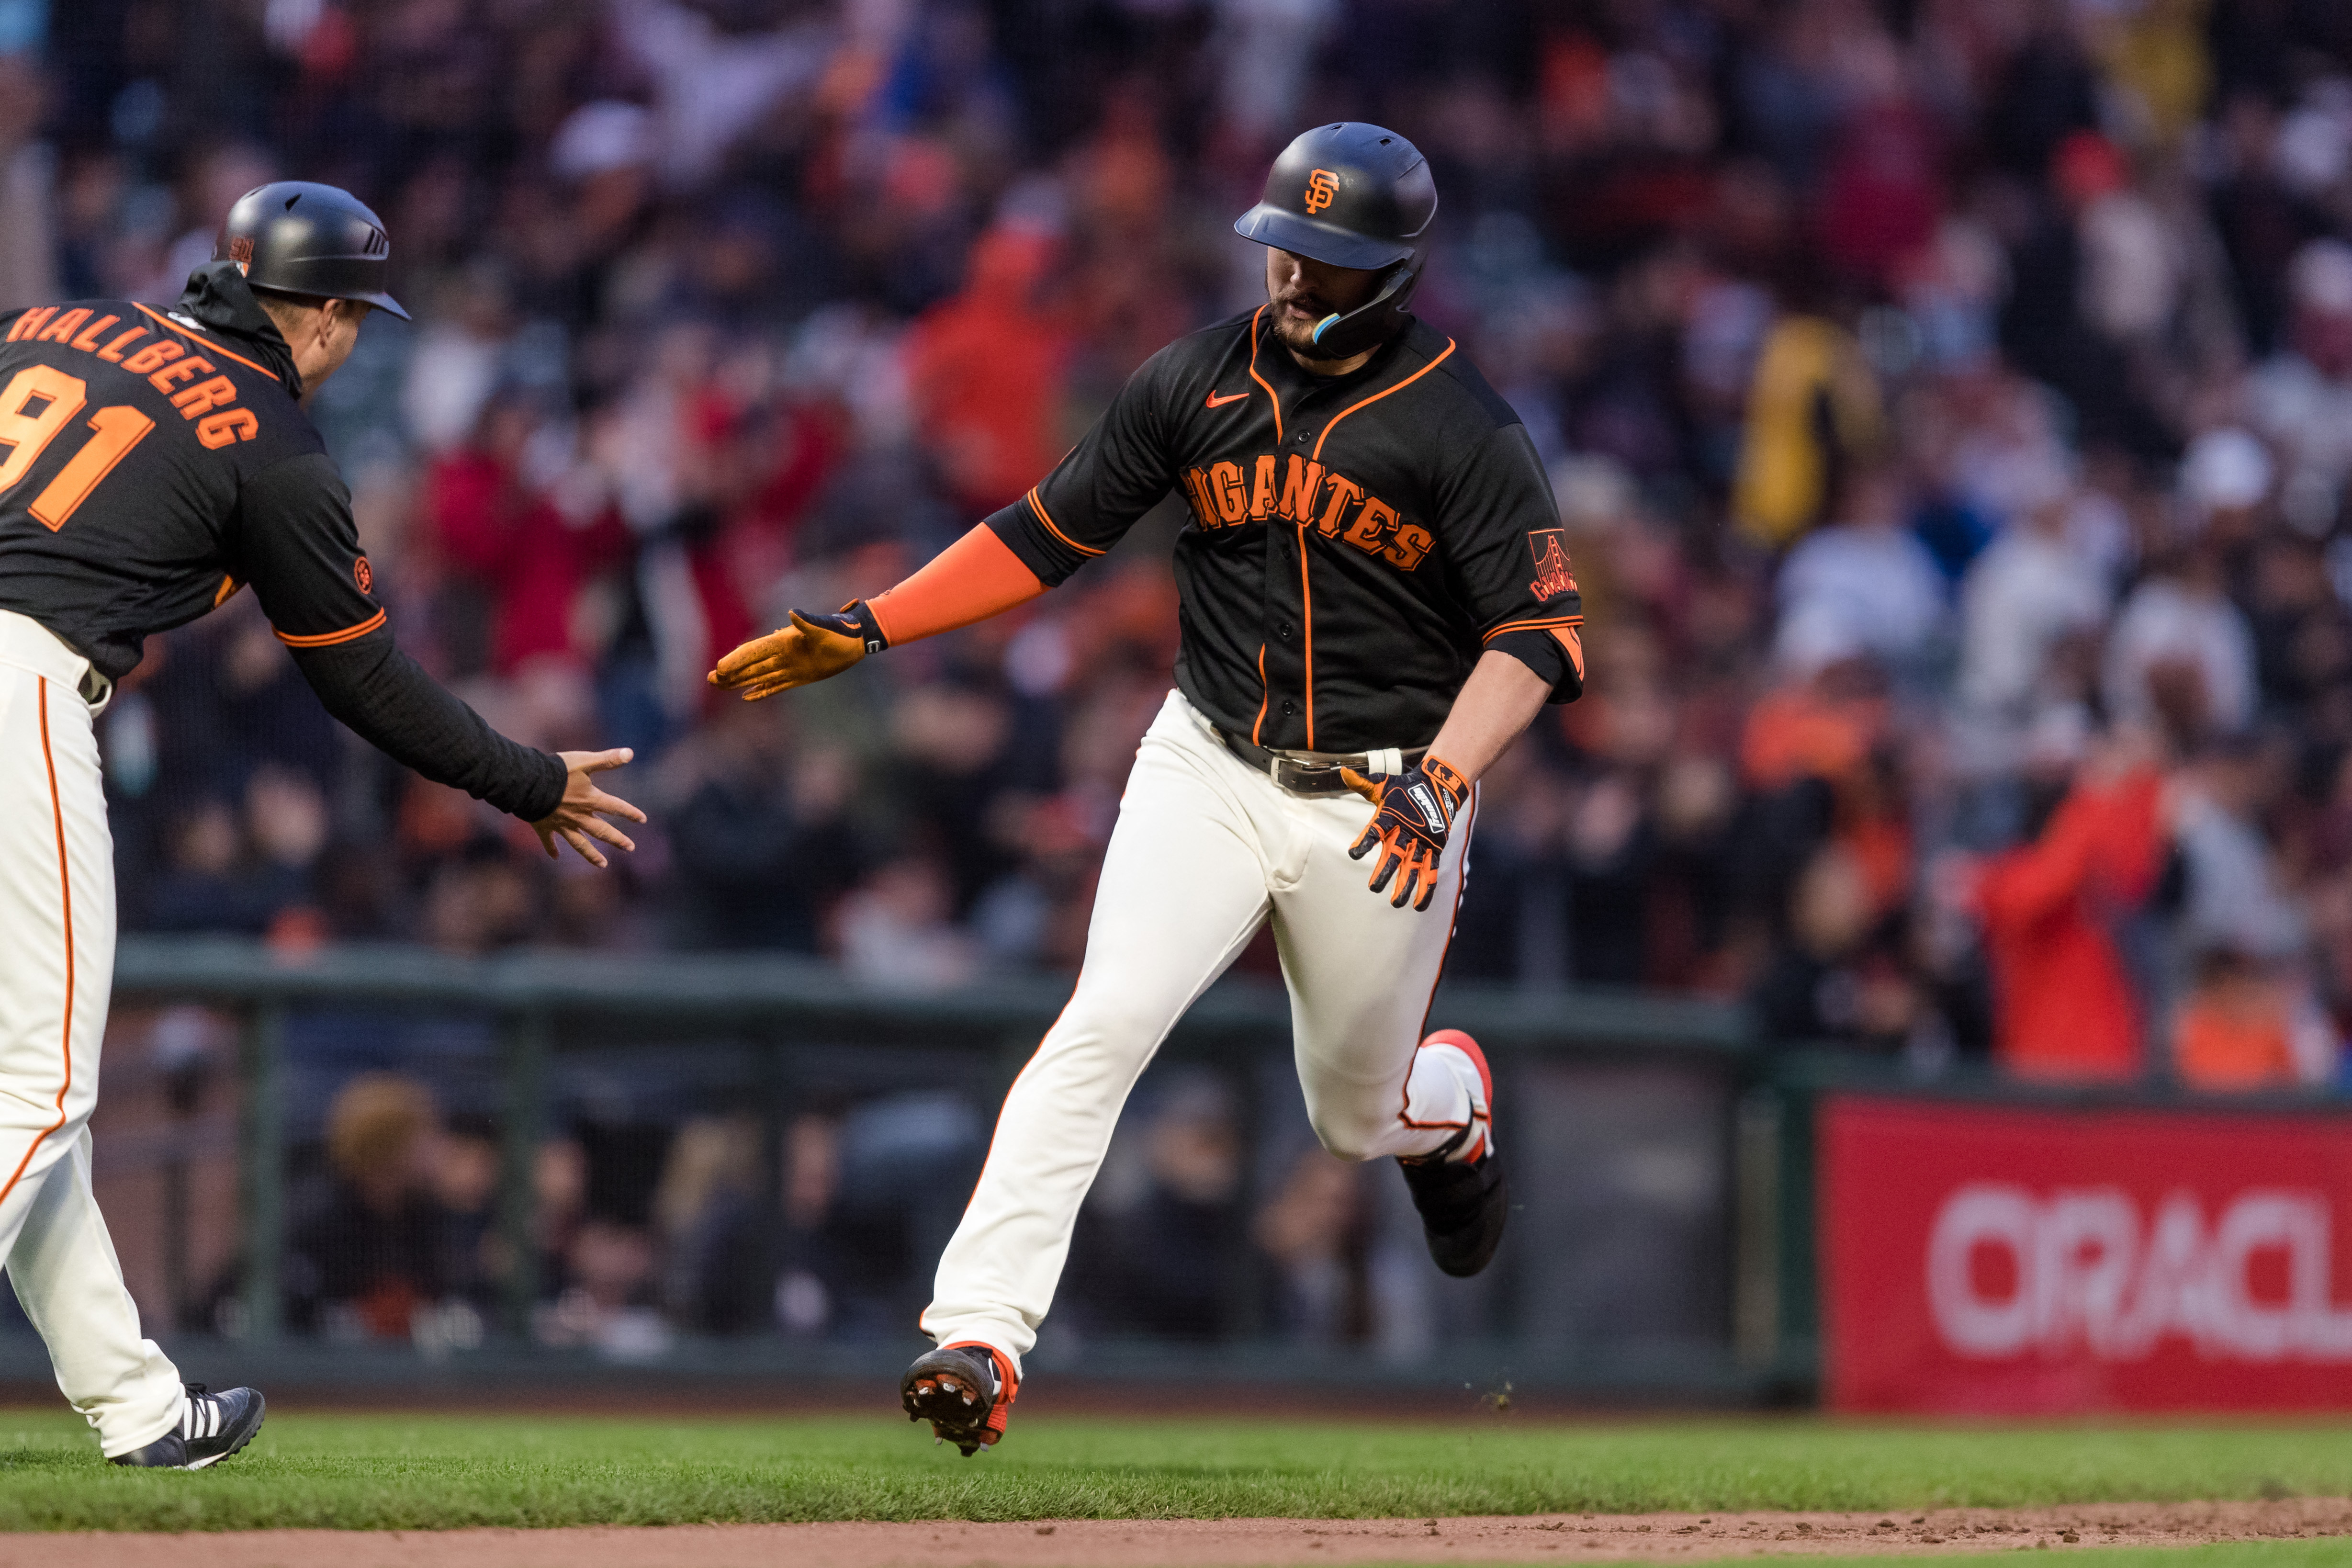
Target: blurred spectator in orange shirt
x=2249 y=1024
x=2063 y=1002
x=1830 y=737
x=985 y=371
x=1823 y=728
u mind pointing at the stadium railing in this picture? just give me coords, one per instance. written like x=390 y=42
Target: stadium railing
x=1665 y=1165
x=1625 y=1113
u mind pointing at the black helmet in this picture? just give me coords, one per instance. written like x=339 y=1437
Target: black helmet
x=1355 y=196
x=299 y=238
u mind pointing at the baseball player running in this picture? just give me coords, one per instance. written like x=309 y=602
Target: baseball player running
x=1375 y=601
x=157 y=461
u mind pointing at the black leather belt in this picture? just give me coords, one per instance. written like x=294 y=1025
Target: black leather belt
x=1316 y=773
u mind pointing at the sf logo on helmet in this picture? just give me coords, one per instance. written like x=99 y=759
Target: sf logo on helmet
x=1322 y=185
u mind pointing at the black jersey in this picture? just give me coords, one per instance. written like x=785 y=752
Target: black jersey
x=156 y=462
x=1355 y=541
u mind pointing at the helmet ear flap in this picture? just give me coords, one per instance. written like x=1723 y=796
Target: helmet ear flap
x=1377 y=319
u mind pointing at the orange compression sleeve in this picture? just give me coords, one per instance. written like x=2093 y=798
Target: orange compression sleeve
x=974 y=578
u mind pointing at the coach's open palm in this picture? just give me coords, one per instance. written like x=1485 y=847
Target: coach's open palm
x=1413 y=814
x=579 y=818
x=811 y=649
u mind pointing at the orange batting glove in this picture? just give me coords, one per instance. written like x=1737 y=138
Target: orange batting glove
x=1414 y=813
x=811 y=649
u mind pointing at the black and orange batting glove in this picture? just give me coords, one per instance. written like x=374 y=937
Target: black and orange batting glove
x=811 y=649
x=1414 y=814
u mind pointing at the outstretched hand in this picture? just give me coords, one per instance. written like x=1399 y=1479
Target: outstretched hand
x=580 y=819
x=810 y=649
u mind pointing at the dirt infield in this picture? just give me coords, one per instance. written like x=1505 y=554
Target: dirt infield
x=1216 y=1543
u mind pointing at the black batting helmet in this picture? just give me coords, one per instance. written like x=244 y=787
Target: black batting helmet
x=299 y=238
x=1350 y=194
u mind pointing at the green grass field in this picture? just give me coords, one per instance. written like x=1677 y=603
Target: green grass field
x=441 y=1471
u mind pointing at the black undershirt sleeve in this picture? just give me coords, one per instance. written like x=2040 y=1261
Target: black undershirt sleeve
x=389 y=701
x=297 y=543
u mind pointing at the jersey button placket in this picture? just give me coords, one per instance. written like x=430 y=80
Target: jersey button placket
x=1285 y=668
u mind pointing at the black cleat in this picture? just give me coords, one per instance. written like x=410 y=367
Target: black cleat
x=965 y=1392
x=1462 y=1203
x=1463 y=1209
x=212 y=1427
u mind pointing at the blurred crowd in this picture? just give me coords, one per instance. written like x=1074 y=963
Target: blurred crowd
x=643 y=1232
x=1950 y=401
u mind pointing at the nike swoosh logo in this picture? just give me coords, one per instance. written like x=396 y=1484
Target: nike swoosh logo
x=1216 y=402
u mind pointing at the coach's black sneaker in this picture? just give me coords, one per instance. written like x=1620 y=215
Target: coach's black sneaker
x=212 y=1427
x=1463 y=1201
x=965 y=1391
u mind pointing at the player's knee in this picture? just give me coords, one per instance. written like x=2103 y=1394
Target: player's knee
x=1349 y=1138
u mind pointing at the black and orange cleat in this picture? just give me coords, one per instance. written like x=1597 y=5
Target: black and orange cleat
x=965 y=1391
x=1459 y=1188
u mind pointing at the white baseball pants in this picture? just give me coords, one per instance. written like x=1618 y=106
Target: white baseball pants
x=56 y=911
x=1207 y=847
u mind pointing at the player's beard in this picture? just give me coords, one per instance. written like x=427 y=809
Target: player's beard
x=1294 y=334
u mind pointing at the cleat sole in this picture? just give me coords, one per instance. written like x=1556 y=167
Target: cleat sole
x=957 y=1410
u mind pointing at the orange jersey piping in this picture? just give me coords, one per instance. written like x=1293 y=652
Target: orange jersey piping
x=1533 y=626
x=1461 y=886
x=1306 y=618
x=1270 y=398
x=212 y=344
x=1266 y=695
x=65 y=891
x=328 y=639
x=1376 y=396
x=1038 y=506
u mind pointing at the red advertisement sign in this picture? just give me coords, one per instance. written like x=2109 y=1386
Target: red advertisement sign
x=1995 y=1260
